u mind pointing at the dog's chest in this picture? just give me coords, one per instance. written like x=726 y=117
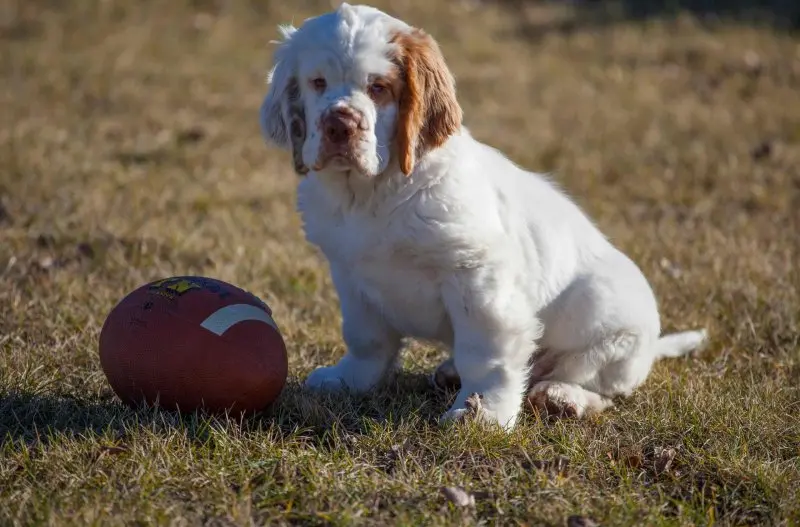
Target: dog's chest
x=408 y=298
x=380 y=263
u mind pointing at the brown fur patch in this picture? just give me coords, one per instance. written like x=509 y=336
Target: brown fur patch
x=429 y=110
x=545 y=406
x=297 y=126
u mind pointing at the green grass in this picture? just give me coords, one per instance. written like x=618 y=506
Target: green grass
x=131 y=151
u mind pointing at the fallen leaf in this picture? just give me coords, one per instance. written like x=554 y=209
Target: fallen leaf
x=192 y=135
x=46 y=262
x=626 y=456
x=86 y=250
x=114 y=450
x=761 y=151
x=109 y=450
x=458 y=496
x=581 y=521
x=664 y=457
x=634 y=460
x=673 y=270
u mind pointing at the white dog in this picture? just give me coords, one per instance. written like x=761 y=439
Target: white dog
x=434 y=235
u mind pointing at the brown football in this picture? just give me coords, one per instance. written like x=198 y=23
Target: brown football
x=190 y=343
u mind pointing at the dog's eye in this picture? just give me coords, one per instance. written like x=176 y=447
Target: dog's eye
x=319 y=84
x=376 y=89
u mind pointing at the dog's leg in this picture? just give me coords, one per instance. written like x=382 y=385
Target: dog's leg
x=600 y=338
x=372 y=344
x=495 y=333
x=577 y=383
x=563 y=399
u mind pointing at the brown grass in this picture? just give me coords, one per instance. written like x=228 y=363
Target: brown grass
x=130 y=151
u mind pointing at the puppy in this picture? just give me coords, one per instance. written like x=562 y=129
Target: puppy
x=432 y=234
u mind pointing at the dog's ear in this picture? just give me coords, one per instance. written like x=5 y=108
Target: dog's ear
x=282 y=117
x=429 y=110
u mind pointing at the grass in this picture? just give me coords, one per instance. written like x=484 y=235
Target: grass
x=130 y=151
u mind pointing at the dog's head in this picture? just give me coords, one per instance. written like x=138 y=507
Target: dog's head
x=357 y=90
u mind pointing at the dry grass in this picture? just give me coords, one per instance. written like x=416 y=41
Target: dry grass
x=130 y=150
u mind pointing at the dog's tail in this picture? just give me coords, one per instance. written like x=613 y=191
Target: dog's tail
x=678 y=344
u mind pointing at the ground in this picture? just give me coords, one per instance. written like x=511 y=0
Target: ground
x=130 y=151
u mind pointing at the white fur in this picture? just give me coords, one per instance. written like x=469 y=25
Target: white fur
x=476 y=253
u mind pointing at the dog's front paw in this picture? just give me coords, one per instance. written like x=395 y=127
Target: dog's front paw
x=472 y=407
x=357 y=375
x=454 y=415
x=326 y=378
x=475 y=407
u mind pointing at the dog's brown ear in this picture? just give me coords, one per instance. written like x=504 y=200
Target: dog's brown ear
x=282 y=116
x=429 y=111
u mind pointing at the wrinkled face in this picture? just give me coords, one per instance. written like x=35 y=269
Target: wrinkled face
x=355 y=90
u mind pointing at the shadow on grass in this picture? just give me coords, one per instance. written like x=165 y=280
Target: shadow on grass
x=34 y=418
x=781 y=15
x=319 y=417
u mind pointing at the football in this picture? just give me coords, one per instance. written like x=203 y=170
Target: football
x=191 y=343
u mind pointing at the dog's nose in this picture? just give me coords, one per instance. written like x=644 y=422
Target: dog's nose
x=340 y=124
